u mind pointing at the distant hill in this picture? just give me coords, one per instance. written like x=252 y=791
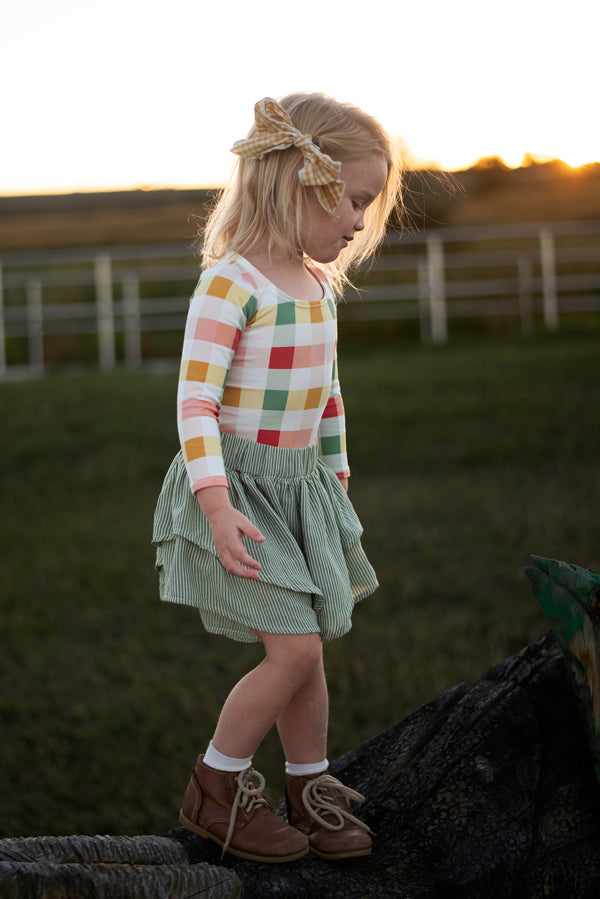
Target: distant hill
x=488 y=193
x=101 y=219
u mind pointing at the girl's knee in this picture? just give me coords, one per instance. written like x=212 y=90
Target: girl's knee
x=300 y=653
x=308 y=653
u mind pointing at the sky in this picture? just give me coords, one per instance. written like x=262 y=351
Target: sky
x=127 y=94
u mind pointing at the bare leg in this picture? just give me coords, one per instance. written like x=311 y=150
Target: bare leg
x=302 y=724
x=258 y=699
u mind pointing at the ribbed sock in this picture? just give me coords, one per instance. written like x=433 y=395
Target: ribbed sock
x=305 y=770
x=215 y=759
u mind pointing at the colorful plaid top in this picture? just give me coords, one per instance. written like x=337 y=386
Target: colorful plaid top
x=259 y=364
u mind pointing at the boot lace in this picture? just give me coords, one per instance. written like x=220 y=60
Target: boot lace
x=318 y=801
x=248 y=796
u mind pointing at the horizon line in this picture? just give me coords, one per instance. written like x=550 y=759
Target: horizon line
x=530 y=160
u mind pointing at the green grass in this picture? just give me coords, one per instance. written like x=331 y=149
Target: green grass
x=465 y=460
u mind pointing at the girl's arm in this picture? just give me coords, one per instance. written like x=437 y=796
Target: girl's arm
x=216 y=320
x=332 y=431
x=228 y=526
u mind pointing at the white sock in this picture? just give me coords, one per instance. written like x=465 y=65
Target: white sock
x=304 y=770
x=215 y=759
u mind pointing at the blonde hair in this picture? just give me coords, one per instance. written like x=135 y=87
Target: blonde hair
x=264 y=197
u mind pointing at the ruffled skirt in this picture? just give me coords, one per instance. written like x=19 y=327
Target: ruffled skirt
x=313 y=568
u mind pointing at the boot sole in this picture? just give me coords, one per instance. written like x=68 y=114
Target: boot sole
x=195 y=828
x=357 y=853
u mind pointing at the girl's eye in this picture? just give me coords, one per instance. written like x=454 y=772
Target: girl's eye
x=357 y=206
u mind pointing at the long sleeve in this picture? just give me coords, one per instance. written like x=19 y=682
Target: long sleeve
x=216 y=320
x=332 y=430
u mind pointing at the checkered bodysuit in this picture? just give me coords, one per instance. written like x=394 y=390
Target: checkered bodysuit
x=259 y=364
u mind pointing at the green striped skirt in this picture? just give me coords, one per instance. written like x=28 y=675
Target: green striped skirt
x=313 y=568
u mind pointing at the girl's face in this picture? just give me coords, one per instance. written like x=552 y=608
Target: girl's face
x=323 y=238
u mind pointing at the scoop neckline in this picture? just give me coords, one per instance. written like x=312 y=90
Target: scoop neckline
x=289 y=296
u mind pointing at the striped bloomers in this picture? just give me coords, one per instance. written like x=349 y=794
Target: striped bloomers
x=313 y=567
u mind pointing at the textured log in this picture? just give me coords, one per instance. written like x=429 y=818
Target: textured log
x=487 y=791
x=144 y=850
x=484 y=792
x=101 y=867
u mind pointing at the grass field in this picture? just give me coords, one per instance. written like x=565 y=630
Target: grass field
x=465 y=460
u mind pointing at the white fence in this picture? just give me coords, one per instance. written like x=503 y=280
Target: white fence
x=118 y=298
x=529 y=273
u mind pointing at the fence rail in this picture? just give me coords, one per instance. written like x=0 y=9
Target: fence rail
x=119 y=297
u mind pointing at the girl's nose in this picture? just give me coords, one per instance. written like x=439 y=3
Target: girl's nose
x=360 y=223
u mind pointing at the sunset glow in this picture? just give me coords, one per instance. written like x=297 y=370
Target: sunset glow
x=128 y=93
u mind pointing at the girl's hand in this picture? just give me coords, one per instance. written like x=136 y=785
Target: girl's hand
x=228 y=526
x=344 y=483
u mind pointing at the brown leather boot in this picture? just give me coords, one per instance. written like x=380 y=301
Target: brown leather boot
x=318 y=806
x=225 y=806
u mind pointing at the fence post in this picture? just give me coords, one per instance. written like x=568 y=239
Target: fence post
x=2 y=329
x=549 y=279
x=35 y=328
x=131 y=320
x=437 y=290
x=525 y=295
x=423 y=296
x=105 y=313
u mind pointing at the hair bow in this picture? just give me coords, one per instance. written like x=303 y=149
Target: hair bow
x=275 y=131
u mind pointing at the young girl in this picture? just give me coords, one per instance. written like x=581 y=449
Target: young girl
x=253 y=525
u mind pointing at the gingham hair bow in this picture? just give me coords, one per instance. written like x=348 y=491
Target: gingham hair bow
x=275 y=131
